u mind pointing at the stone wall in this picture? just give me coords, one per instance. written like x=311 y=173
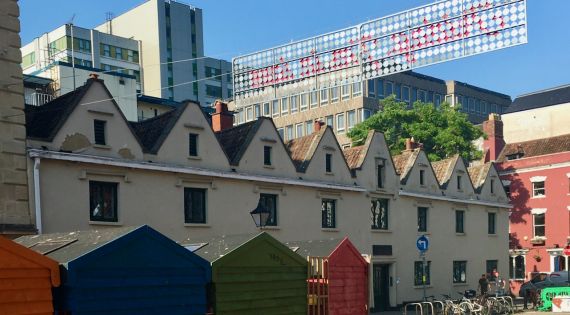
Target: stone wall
x=15 y=216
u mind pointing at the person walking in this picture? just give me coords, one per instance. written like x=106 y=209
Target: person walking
x=483 y=284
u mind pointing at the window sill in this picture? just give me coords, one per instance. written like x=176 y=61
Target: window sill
x=428 y=286
x=460 y=234
x=538 y=197
x=380 y=231
x=423 y=233
x=197 y=225
x=461 y=284
x=492 y=235
x=271 y=227
x=329 y=229
x=194 y=158
x=119 y=223
x=269 y=167
x=329 y=173
x=102 y=146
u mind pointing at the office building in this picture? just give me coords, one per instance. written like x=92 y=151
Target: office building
x=344 y=106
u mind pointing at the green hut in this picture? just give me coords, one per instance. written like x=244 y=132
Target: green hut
x=256 y=275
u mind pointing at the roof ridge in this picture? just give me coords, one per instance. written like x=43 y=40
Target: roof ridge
x=544 y=90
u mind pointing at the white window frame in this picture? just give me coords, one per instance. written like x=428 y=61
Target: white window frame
x=391 y=84
x=284 y=108
x=406 y=94
x=324 y=100
x=350 y=125
x=356 y=89
x=275 y=112
x=535 y=190
x=345 y=91
x=534 y=225
x=297 y=128
x=334 y=98
x=314 y=99
x=304 y=101
x=340 y=127
x=294 y=100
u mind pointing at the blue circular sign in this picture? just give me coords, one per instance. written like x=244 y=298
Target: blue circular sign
x=422 y=243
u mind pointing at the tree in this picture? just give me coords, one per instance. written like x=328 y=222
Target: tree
x=444 y=130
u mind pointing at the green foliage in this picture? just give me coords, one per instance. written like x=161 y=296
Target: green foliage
x=444 y=131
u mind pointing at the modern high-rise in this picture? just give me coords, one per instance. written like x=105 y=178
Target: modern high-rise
x=172 y=54
x=52 y=55
x=342 y=107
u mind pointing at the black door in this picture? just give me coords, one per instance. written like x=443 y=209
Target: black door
x=381 y=281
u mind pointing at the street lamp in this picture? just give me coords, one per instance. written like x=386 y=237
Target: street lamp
x=260 y=215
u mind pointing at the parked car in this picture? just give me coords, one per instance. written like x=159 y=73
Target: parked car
x=545 y=280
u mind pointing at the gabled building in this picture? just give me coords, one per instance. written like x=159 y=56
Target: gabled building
x=536 y=174
x=188 y=177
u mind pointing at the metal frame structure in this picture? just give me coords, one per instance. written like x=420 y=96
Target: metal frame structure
x=426 y=35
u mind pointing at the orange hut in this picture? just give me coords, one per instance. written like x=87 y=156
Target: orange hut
x=26 y=280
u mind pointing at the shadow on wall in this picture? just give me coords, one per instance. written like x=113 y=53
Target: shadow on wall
x=520 y=196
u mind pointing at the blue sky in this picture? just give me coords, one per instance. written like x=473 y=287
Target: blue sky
x=233 y=27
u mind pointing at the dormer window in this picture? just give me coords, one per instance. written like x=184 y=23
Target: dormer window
x=328 y=163
x=99 y=129
x=422 y=177
x=492 y=186
x=267 y=155
x=193 y=144
x=514 y=156
x=458 y=182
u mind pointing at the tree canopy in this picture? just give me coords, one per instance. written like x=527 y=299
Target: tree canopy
x=443 y=130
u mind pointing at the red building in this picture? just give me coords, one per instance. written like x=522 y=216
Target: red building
x=536 y=176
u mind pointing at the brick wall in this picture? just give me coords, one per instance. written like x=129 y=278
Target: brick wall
x=15 y=217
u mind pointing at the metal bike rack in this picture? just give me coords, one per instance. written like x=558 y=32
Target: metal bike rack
x=430 y=304
x=417 y=305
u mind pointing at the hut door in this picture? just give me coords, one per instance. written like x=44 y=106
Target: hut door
x=318 y=286
x=381 y=283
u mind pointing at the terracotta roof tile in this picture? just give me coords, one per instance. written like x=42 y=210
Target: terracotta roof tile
x=478 y=174
x=354 y=156
x=443 y=169
x=303 y=148
x=536 y=147
x=404 y=162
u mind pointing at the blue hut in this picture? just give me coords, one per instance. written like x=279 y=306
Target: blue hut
x=124 y=271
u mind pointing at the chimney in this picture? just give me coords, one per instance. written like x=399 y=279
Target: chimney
x=494 y=144
x=317 y=125
x=222 y=119
x=411 y=144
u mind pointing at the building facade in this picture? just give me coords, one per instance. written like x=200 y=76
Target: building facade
x=15 y=216
x=344 y=106
x=116 y=59
x=536 y=174
x=95 y=170
x=538 y=115
x=173 y=51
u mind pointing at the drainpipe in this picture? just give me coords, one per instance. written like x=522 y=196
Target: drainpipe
x=37 y=199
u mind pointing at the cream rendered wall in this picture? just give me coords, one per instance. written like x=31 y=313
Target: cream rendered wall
x=157 y=198
x=252 y=159
x=537 y=123
x=499 y=194
x=80 y=124
x=316 y=169
x=467 y=191
x=174 y=149
x=413 y=183
x=366 y=176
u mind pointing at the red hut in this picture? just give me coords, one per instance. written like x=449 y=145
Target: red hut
x=26 y=280
x=337 y=277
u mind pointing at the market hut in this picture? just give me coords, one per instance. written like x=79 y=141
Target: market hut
x=26 y=280
x=256 y=275
x=125 y=271
x=337 y=277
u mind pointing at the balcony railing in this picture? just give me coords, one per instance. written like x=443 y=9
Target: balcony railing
x=38 y=99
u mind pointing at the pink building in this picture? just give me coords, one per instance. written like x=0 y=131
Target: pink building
x=536 y=176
